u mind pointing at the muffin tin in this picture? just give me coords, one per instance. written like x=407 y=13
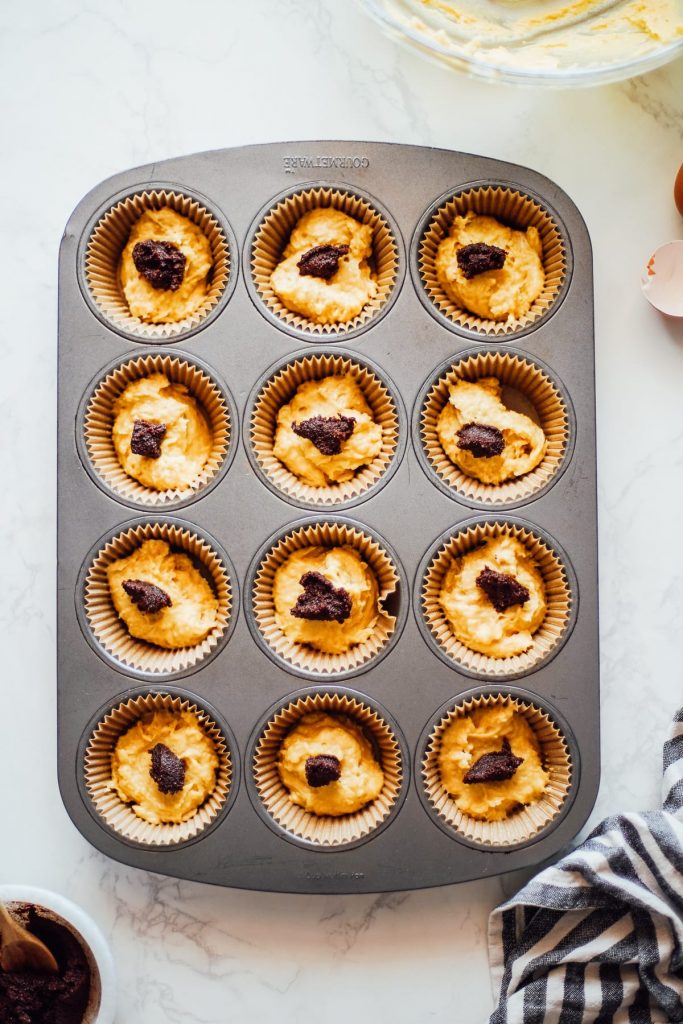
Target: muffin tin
x=245 y=683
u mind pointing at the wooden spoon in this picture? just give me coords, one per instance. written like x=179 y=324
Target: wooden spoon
x=21 y=951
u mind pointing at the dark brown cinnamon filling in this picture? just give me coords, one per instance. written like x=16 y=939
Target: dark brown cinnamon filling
x=328 y=433
x=160 y=263
x=502 y=589
x=321 y=600
x=322 y=261
x=498 y=766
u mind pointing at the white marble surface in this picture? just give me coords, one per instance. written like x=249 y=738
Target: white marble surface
x=91 y=88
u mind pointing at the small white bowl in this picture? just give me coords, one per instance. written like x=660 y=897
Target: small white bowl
x=662 y=279
x=101 y=1007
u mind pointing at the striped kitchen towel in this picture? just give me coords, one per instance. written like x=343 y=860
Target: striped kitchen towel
x=598 y=937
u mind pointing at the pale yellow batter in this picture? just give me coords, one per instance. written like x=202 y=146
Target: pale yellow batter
x=186 y=445
x=504 y=294
x=330 y=397
x=530 y=36
x=482 y=731
x=193 y=613
x=361 y=777
x=345 y=569
x=473 y=618
x=480 y=402
x=131 y=761
x=344 y=295
x=158 y=305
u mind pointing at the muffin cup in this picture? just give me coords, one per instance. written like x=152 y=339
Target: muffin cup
x=107 y=240
x=560 y=587
x=271 y=236
x=119 y=816
x=523 y=824
x=96 y=420
x=107 y=631
x=280 y=387
x=261 y=607
x=326 y=830
x=518 y=210
x=528 y=387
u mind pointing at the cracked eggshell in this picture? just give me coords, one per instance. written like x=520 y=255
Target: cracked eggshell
x=662 y=279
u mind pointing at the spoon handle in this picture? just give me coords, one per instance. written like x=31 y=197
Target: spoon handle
x=7 y=924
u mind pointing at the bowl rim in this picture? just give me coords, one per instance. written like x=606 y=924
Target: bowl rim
x=483 y=70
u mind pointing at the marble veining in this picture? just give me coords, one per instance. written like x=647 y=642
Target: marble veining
x=91 y=88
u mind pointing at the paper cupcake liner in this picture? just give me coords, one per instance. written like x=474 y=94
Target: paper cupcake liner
x=547 y=637
x=510 y=207
x=99 y=417
x=281 y=388
x=528 y=821
x=272 y=236
x=326 y=830
x=531 y=391
x=110 y=631
x=302 y=656
x=119 y=816
x=107 y=241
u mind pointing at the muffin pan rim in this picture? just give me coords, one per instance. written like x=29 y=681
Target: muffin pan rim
x=428 y=303
x=164 y=186
x=403 y=597
x=233 y=433
x=143 y=675
x=416 y=427
x=204 y=705
x=515 y=692
x=461 y=527
x=360 y=359
x=292 y=697
x=339 y=334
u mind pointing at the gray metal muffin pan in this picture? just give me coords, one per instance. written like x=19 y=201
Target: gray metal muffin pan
x=241 y=682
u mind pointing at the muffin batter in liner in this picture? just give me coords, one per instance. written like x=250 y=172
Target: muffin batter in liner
x=326 y=830
x=120 y=816
x=108 y=240
x=517 y=372
x=303 y=656
x=524 y=823
x=558 y=595
x=99 y=420
x=110 y=630
x=280 y=390
x=273 y=234
x=517 y=211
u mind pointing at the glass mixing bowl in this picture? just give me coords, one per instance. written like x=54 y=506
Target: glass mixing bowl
x=547 y=42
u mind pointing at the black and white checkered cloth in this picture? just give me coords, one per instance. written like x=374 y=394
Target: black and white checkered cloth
x=598 y=937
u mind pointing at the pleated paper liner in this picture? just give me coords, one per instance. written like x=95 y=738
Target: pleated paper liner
x=120 y=816
x=326 y=830
x=99 y=421
x=272 y=236
x=527 y=389
x=108 y=240
x=524 y=823
x=516 y=210
x=303 y=656
x=281 y=388
x=110 y=631
x=558 y=597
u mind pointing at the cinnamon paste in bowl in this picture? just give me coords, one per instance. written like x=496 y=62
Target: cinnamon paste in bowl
x=30 y=997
